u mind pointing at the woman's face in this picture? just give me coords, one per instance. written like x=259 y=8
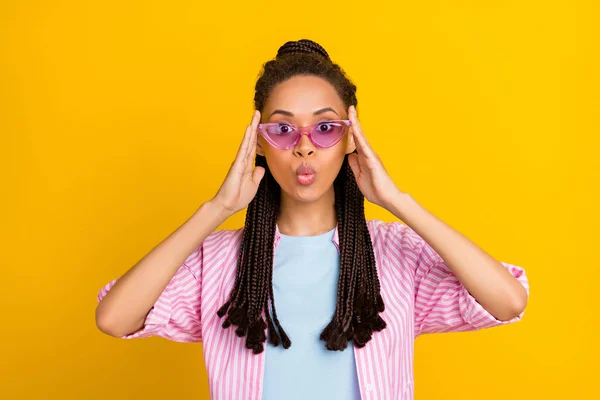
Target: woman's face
x=304 y=100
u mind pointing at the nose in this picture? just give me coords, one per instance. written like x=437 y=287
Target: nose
x=304 y=147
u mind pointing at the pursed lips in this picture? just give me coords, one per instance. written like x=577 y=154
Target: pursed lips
x=305 y=175
x=305 y=170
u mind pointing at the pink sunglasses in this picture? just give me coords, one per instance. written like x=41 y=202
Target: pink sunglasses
x=323 y=134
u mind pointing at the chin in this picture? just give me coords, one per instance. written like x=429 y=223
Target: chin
x=308 y=194
x=305 y=195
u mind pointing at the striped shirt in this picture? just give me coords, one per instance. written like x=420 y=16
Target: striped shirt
x=420 y=292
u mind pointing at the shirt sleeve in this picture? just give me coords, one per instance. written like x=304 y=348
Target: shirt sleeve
x=442 y=302
x=176 y=313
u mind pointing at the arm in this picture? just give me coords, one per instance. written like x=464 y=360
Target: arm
x=160 y=288
x=487 y=280
x=458 y=286
x=123 y=309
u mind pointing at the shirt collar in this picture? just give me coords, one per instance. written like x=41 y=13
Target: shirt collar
x=335 y=238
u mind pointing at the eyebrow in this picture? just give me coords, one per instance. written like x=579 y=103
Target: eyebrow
x=289 y=114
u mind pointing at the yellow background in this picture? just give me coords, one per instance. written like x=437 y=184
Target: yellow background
x=119 y=118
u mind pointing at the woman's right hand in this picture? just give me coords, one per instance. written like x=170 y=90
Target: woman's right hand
x=241 y=183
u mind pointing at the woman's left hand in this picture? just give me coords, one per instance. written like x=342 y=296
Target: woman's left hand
x=371 y=176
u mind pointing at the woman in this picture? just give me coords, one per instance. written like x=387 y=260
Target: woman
x=336 y=278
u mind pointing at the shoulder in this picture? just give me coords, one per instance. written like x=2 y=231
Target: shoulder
x=396 y=230
x=215 y=251
x=394 y=238
x=223 y=239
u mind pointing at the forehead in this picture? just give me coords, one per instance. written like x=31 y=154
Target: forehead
x=303 y=95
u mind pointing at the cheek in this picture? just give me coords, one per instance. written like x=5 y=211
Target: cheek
x=330 y=166
x=277 y=162
x=335 y=166
x=339 y=151
x=273 y=156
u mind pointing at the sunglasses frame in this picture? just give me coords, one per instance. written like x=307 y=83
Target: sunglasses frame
x=304 y=130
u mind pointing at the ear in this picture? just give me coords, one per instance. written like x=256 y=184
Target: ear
x=351 y=146
x=259 y=149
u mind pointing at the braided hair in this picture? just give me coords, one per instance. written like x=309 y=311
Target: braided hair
x=359 y=301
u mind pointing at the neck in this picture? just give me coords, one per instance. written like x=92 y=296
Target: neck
x=297 y=218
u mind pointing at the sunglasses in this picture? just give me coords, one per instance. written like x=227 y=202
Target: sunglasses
x=323 y=134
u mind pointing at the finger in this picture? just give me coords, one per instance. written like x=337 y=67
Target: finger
x=251 y=132
x=359 y=137
x=243 y=149
x=357 y=130
x=251 y=151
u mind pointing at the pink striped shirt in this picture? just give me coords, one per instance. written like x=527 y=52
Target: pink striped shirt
x=420 y=292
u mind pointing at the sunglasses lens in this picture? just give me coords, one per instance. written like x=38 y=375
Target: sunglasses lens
x=281 y=136
x=327 y=134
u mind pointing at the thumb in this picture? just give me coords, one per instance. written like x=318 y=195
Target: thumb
x=354 y=165
x=258 y=174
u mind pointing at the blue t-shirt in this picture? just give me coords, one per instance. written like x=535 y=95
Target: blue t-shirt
x=305 y=280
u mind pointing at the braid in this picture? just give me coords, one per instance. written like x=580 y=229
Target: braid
x=255 y=265
x=302 y=46
x=359 y=300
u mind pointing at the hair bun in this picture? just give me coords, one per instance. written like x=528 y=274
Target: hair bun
x=302 y=46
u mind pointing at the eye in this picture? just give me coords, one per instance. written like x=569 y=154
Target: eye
x=280 y=128
x=326 y=127
x=284 y=128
